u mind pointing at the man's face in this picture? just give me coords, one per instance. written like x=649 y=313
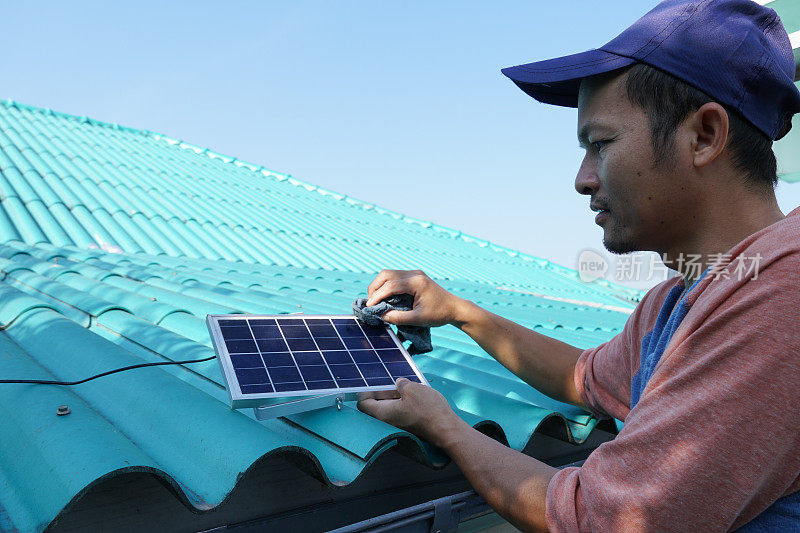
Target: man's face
x=644 y=205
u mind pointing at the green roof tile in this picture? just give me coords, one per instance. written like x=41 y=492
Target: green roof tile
x=114 y=245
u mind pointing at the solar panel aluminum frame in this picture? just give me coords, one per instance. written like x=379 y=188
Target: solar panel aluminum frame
x=266 y=399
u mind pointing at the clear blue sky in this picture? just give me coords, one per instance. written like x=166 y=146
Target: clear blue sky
x=399 y=104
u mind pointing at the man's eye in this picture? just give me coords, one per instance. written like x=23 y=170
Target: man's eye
x=599 y=145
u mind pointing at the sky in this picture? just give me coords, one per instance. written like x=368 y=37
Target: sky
x=398 y=104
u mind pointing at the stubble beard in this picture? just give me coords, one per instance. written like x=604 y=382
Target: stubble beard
x=618 y=244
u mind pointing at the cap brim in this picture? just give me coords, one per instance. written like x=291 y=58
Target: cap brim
x=556 y=81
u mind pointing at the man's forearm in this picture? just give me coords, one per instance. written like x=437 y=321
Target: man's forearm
x=512 y=483
x=545 y=363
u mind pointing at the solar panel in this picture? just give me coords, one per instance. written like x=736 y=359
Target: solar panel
x=264 y=357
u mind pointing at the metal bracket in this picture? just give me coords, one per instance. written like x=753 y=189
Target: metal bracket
x=444 y=519
x=286 y=407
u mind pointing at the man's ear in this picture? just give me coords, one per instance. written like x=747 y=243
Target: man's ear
x=709 y=126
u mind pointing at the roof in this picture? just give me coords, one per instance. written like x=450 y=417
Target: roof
x=787 y=150
x=789 y=12
x=114 y=245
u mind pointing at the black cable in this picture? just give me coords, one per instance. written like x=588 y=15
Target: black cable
x=50 y=382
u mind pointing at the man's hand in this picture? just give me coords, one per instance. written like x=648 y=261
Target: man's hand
x=433 y=306
x=416 y=408
x=514 y=484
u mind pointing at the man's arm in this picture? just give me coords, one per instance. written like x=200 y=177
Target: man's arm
x=545 y=363
x=513 y=484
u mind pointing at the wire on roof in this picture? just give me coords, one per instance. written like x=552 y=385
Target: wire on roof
x=52 y=382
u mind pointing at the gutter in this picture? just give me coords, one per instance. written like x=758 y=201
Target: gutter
x=442 y=515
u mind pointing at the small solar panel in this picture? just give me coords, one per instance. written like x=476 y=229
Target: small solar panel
x=267 y=356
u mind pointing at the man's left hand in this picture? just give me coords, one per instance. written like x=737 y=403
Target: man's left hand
x=416 y=408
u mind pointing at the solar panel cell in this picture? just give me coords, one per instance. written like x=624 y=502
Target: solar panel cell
x=289 y=387
x=257 y=389
x=301 y=345
x=357 y=343
x=284 y=374
x=241 y=346
x=246 y=360
x=317 y=321
x=230 y=322
x=374 y=331
x=337 y=357
x=266 y=332
x=272 y=345
x=364 y=356
x=236 y=332
x=252 y=376
x=308 y=358
x=330 y=344
x=262 y=321
x=345 y=383
x=295 y=332
x=277 y=359
x=373 y=370
x=322 y=331
x=349 y=330
x=382 y=342
x=398 y=370
x=316 y=385
x=388 y=356
x=379 y=381
x=315 y=373
x=345 y=371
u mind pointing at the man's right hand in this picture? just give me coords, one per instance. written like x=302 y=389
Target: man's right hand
x=545 y=363
x=433 y=306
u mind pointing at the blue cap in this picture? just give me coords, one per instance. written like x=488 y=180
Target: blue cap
x=736 y=51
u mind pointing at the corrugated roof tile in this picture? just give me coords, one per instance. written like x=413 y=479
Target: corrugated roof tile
x=114 y=245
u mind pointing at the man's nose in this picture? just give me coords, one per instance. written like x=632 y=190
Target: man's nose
x=587 y=182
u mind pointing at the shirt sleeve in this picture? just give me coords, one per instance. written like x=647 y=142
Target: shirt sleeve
x=603 y=374
x=713 y=440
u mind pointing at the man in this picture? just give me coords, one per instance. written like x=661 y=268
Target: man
x=677 y=117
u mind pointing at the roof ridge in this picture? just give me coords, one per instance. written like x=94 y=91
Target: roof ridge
x=8 y=102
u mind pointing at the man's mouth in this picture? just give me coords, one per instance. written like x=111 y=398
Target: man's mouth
x=602 y=213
